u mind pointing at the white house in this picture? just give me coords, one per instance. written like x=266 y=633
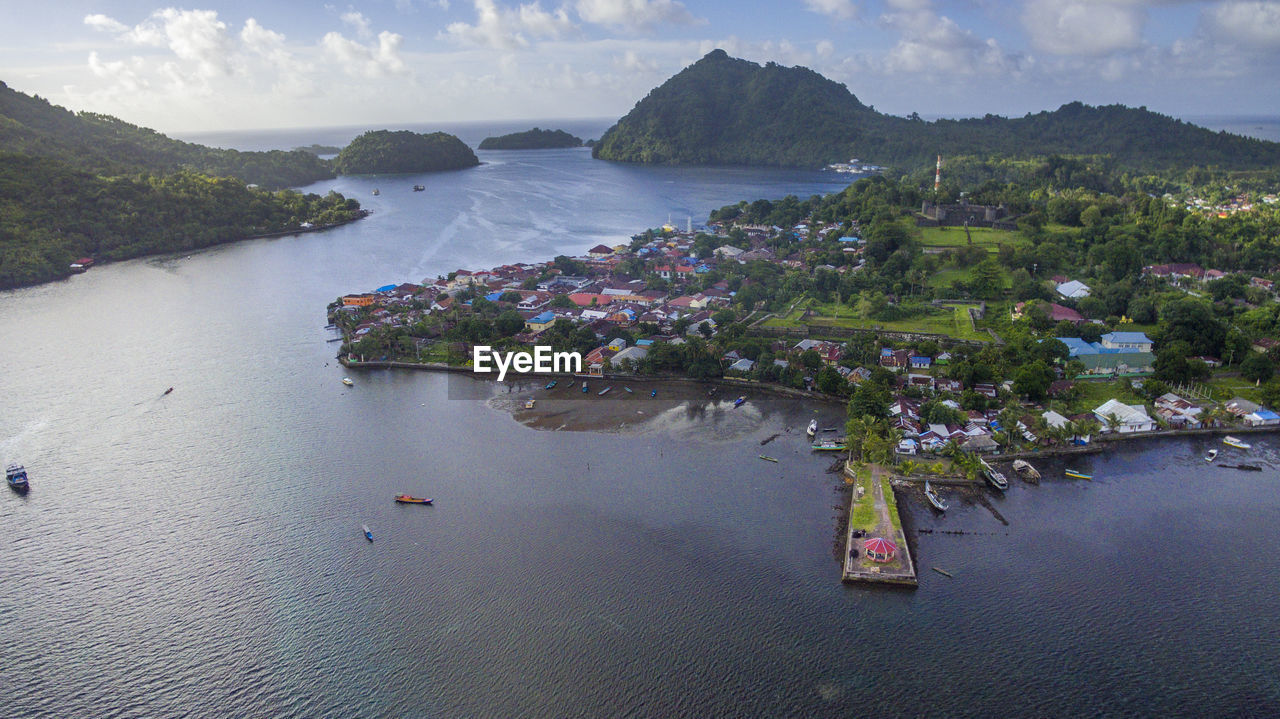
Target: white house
x=1075 y=289
x=1129 y=418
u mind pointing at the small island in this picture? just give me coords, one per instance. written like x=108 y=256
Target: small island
x=388 y=151
x=535 y=139
x=316 y=148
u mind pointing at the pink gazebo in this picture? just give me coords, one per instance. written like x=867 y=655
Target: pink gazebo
x=880 y=549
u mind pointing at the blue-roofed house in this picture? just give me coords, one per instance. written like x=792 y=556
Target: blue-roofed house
x=385 y=288
x=848 y=239
x=1261 y=418
x=1123 y=357
x=540 y=322
x=493 y=296
x=921 y=362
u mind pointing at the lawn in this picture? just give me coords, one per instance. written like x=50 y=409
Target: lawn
x=863 y=515
x=1094 y=393
x=982 y=237
x=952 y=321
x=1224 y=388
x=944 y=278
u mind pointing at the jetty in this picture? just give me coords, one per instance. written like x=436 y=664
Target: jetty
x=875 y=545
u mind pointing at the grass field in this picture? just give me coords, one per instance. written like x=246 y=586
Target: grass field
x=982 y=237
x=863 y=515
x=1094 y=393
x=952 y=321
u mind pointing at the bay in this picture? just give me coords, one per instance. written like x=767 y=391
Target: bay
x=200 y=553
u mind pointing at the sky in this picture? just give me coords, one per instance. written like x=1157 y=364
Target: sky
x=240 y=64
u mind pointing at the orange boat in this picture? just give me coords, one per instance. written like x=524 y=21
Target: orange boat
x=406 y=499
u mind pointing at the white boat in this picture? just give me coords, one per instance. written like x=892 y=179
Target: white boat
x=1211 y=455
x=1233 y=442
x=933 y=497
x=347 y=381
x=1025 y=470
x=813 y=427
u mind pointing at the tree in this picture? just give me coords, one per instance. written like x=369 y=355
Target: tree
x=987 y=279
x=1257 y=368
x=811 y=359
x=509 y=323
x=830 y=381
x=1033 y=380
x=869 y=400
x=1192 y=321
x=561 y=302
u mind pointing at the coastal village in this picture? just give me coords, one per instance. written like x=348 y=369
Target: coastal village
x=923 y=400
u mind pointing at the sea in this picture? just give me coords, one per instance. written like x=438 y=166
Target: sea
x=200 y=553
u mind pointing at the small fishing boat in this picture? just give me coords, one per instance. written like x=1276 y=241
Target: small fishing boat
x=168 y=390
x=602 y=392
x=767 y=458
x=738 y=402
x=943 y=572
x=550 y=385
x=996 y=479
x=368 y=533
x=376 y=192
x=835 y=444
x=1211 y=455
x=653 y=393
x=528 y=404
x=406 y=499
x=813 y=427
x=584 y=387
x=628 y=389
x=1074 y=474
x=1233 y=442
x=711 y=392
x=419 y=188
x=1025 y=470
x=347 y=381
x=1249 y=467
x=16 y=476
x=933 y=497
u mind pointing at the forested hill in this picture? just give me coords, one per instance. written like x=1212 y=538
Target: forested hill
x=723 y=110
x=109 y=146
x=388 y=151
x=535 y=139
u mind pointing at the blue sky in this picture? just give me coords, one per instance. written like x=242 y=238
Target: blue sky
x=233 y=64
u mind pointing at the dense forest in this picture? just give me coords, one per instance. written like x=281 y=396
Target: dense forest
x=78 y=185
x=109 y=146
x=535 y=139
x=723 y=110
x=388 y=151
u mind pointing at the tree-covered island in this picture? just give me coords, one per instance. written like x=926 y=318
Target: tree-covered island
x=1067 y=304
x=535 y=139
x=399 y=151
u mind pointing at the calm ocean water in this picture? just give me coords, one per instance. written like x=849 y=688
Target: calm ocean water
x=199 y=554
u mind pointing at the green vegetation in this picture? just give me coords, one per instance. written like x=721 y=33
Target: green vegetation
x=723 y=110
x=388 y=151
x=104 y=145
x=534 y=139
x=78 y=185
x=950 y=320
x=954 y=237
x=863 y=515
x=316 y=148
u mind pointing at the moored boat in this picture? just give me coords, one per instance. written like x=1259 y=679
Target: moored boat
x=528 y=404
x=628 y=389
x=407 y=499
x=347 y=381
x=933 y=497
x=738 y=402
x=813 y=427
x=1074 y=474
x=550 y=385
x=653 y=393
x=368 y=533
x=767 y=458
x=835 y=444
x=1025 y=470
x=1234 y=442
x=1211 y=455
x=419 y=188
x=584 y=387
x=602 y=392
x=16 y=476
x=376 y=192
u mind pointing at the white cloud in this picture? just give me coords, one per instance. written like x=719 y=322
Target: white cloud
x=104 y=23
x=839 y=9
x=1083 y=27
x=933 y=43
x=372 y=61
x=825 y=48
x=507 y=29
x=1254 y=24
x=358 y=22
x=634 y=14
x=632 y=62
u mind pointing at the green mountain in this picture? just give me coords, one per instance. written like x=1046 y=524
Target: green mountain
x=78 y=185
x=387 y=151
x=723 y=110
x=534 y=139
x=110 y=146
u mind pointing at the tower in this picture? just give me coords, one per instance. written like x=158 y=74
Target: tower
x=937 y=178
